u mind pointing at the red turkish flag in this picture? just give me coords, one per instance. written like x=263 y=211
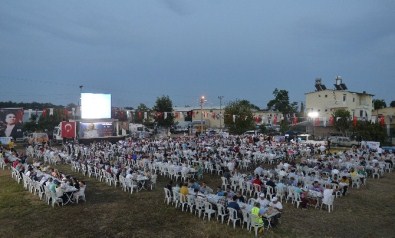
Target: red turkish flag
x=381 y=120
x=317 y=122
x=68 y=129
x=295 y=120
x=331 y=121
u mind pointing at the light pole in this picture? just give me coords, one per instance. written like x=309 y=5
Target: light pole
x=202 y=100
x=78 y=110
x=313 y=115
x=220 y=112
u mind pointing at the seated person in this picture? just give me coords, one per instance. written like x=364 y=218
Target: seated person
x=257 y=180
x=198 y=194
x=203 y=188
x=233 y=204
x=303 y=195
x=344 y=182
x=317 y=187
x=263 y=201
x=256 y=216
x=59 y=192
x=170 y=187
x=184 y=189
x=220 y=192
x=277 y=206
x=240 y=197
x=229 y=193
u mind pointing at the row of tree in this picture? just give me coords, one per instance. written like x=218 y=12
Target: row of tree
x=236 y=125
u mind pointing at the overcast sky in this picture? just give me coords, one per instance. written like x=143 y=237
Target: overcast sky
x=141 y=50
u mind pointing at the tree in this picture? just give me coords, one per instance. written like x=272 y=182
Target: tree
x=163 y=109
x=379 y=104
x=281 y=102
x=139 y=115
x=392 y=104
x=238 y=117
x=342 y=120
x=369 y=131
x=70 y=106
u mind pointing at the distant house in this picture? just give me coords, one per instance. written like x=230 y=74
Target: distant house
x=326 y=101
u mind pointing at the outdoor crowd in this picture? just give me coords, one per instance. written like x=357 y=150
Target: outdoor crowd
x=265 y=171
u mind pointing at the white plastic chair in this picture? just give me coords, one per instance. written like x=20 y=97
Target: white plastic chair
x=191 y=202
x=296 y=199
x=183 y=202
x=221 y=212
x=329 y=203
x=153 y=180
x=290 y=194
x=356 y=181
x=56 y=200
x=269 y=192
x=199 y=206
x=167 y=196
x=208 y=210
x=246 y=219
x=225 y=183
x=80 y=194
x=233 y=216
x=376 y=173
x=280 y=193
x=256 y=224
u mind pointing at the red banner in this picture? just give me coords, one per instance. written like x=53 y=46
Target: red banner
x=295 y=120
x=354 y=121
x=381 y=120
x=331 y=121
x=68 y=129
x=275 y=120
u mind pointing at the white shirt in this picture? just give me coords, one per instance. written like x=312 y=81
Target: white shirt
x=277 y=205
x=264 y=202
x=259 y=170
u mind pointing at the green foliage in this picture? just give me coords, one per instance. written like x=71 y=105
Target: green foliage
x=368 y=131
x=281 y=102
x=188 y=117
x=32 y=105
x=244 y=119
x=342 y=120
x=262 y=128
x=140 y=119
x=379 y=104
x=392 y=104
x=164 y=104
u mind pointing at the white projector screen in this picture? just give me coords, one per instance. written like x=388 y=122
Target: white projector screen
x=95 y=106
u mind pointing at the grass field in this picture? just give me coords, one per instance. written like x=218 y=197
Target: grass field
x=110 y=212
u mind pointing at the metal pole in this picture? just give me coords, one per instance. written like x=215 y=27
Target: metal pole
x=220 y=112
x=201 y=114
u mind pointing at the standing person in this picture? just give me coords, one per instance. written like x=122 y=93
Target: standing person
x=11 y=127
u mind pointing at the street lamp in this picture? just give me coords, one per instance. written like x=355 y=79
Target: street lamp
x=313 y=115
x=202 y=101
x=220 y=112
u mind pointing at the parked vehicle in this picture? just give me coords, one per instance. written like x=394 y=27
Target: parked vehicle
x=343 y=141
x=37 y=138
x=180 y=127
x=139 y=130
x=309 y=139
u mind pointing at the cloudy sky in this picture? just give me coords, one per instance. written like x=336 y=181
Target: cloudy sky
x=139 y=50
